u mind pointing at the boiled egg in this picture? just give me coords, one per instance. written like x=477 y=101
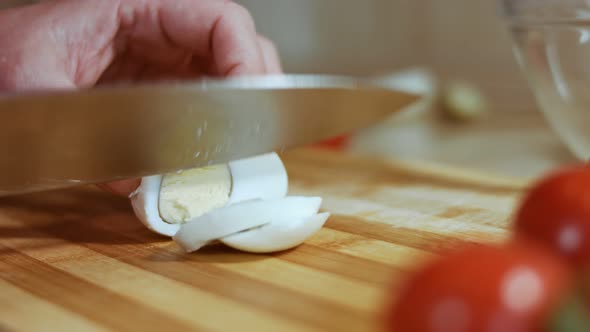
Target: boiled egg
x=243 y=204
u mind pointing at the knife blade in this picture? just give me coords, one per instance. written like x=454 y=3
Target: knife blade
x=57 y=139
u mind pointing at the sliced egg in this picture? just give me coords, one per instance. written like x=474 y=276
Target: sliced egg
x=163 y=203
x=145 y=205
x=221 y=223
x=262 y=177
x=284 y=232
x=243 y=204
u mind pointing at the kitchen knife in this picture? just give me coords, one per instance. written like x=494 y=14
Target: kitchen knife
x=57 y=139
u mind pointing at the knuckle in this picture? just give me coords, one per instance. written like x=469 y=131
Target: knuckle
x=238 y=12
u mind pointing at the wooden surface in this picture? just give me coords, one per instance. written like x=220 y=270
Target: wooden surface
x=516 y=144
x=78 y=260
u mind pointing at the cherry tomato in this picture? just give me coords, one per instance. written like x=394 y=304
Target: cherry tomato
x=482 y=289
x=334 y=143
x=556 y=213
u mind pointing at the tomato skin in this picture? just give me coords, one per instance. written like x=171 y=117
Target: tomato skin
x=482 y=289
x=556 y=213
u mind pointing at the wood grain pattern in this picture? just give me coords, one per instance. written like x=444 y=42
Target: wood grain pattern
x=78 y=260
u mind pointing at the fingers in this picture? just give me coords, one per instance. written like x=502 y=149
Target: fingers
x=270 y=55
x=220 y=29
x=46 y=45
x=234 y=43
x=71 y=43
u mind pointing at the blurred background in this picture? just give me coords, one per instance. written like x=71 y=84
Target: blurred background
x=457 y=38
x=446 y=41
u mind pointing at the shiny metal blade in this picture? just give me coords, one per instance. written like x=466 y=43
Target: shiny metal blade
x=60 y=139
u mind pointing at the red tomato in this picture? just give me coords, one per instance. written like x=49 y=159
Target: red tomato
x=482 y=289
x=334 y=143
x=556 y=213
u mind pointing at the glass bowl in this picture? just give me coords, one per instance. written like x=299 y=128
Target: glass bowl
x=552 y=46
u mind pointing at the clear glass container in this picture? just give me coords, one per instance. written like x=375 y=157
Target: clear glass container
x=552 y=46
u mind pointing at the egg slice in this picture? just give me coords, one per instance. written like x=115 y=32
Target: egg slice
x=284 y=232
x=164 y=202
x=243 y=217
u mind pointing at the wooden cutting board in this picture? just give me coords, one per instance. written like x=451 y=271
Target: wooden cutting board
x=78 y=260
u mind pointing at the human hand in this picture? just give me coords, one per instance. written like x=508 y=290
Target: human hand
x=82 y=43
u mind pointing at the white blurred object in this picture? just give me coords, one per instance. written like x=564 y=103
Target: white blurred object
x=462 y=100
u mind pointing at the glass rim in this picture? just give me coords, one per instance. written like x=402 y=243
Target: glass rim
x=539 y=11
